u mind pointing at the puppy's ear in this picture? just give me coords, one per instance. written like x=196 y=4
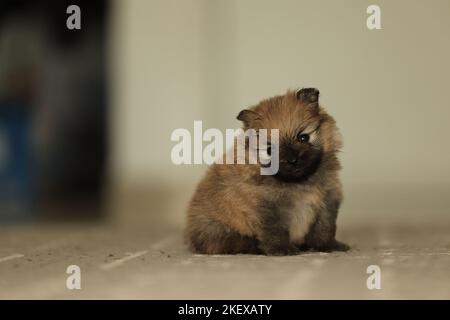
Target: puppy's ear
x=247 y=117
x=308 y=96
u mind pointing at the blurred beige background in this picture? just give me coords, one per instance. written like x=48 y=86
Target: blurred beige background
x=175 y=62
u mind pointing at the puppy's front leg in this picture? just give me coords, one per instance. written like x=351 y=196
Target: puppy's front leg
x=321 y=237
x=274 y=238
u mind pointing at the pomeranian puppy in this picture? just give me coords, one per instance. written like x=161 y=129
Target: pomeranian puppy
x=235 y=209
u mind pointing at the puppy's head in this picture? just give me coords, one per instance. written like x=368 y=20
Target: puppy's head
x=307 y=134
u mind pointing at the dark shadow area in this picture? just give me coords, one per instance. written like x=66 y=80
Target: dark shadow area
x=53 y=111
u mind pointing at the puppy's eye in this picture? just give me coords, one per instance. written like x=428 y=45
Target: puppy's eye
x=303 y=137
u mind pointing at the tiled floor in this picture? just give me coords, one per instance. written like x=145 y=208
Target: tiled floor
x=127 y=263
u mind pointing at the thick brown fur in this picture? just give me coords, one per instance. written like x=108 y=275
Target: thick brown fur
x=235 y=209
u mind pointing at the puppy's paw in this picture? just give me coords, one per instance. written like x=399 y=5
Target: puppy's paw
x=288 y=250
x=327 y=247
x=340 y=246
x=334 y=246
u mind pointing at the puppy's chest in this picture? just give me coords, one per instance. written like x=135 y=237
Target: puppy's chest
x=302 y=215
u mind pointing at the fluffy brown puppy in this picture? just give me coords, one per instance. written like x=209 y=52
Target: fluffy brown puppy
x=235 y=209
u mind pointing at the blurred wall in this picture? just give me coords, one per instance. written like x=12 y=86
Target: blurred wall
x=178 y=61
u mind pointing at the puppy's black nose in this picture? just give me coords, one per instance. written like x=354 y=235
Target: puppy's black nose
x=290 y=155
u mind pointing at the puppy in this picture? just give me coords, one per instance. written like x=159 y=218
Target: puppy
x=235 y=209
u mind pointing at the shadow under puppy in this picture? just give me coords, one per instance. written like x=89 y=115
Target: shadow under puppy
x=235 y=209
